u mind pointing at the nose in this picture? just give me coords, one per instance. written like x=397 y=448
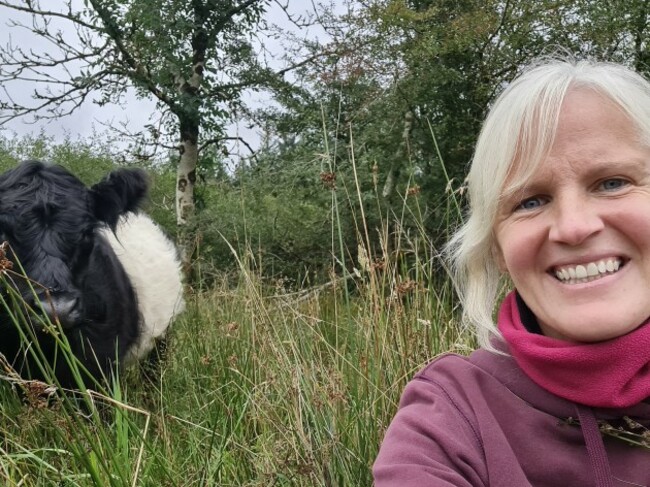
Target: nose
x=574 y=220
x=62 y=306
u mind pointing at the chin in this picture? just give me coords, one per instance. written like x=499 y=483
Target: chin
x=593 y=332
x=591 y=320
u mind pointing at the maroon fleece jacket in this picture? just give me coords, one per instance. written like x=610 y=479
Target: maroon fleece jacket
x=480 y=421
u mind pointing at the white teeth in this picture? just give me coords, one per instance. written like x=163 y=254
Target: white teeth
x=588 y=272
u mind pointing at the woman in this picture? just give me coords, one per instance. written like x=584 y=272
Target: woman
x=559 y=194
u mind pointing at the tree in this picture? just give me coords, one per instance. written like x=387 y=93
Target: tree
x=195 y=58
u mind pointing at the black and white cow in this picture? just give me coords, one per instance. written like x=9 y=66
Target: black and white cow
x=106 y=273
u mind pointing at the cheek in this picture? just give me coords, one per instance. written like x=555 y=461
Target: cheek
x=518 y=250
x=630 y=228
x=635 y=228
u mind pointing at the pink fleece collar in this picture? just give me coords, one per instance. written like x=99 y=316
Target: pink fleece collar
x=610 y=374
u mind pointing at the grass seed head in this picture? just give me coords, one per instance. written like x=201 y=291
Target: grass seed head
x=5 y=263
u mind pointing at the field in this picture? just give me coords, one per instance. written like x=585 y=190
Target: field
x=259 y=386
x=264 y=382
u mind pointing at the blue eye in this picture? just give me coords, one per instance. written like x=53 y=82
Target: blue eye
x=531 y=203
x=612 y=184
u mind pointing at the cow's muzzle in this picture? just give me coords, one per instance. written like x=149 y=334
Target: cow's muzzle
x=61 y=306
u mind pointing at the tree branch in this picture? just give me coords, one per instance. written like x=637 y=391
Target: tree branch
x=217 y=140
x=226 y=18
x=70 y=15
x=139 y=72
x=256 y=81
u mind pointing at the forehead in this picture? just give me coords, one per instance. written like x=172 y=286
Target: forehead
x=589 y=130
x=586 y=118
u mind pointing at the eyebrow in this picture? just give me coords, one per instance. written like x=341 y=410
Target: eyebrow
x=632 y=164
x=593 y=168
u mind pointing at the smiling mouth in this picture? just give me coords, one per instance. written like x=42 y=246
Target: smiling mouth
x=589 y=272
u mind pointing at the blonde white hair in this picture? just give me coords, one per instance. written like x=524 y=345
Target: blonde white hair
x=516 y=137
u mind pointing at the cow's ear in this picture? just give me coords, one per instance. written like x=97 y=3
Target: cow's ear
x=119 y=192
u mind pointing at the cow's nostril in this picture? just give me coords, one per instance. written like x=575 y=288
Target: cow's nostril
x=63 y=307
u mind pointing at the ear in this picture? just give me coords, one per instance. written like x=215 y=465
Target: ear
x=119 y=192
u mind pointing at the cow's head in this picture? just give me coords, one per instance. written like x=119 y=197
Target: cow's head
x=50 y=220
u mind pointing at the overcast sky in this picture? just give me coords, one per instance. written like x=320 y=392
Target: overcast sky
x=88 y=120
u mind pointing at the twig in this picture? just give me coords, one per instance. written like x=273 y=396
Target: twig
x=633 y=432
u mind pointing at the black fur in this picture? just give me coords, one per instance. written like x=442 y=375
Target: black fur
x=50 y=220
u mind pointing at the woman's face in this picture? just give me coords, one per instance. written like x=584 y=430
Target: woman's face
x=576 y=240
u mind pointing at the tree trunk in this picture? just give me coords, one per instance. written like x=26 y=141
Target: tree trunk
x=185 y=180
x=641 y=56
x=186 y=175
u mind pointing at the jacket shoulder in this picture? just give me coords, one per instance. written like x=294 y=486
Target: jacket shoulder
x=434 y=435
x=451 y=371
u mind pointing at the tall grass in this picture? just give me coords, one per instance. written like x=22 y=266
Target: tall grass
x=261 y=385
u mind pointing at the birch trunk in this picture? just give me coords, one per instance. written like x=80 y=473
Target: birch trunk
x=185 y=180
